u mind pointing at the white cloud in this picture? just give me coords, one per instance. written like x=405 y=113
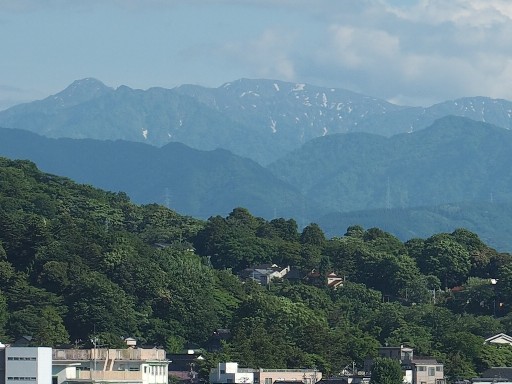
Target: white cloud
x=357 y=47
x=266 y=55
x=480 y=13
x=417 y=51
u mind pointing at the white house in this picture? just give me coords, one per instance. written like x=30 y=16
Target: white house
x=263 y=274
x=500 y=338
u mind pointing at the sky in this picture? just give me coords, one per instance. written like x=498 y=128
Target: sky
x=409 y=52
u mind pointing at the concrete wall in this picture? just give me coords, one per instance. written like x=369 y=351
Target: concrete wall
x=268 y=376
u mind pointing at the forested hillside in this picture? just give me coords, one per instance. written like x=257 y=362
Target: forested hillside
x=450 y=175
x=76 y=261
x=192 y=182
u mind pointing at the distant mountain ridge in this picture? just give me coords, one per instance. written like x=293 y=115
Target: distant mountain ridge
x=192 y=182
x=491 y=220
x=408 y=184
x=454 y=160
x=259 y=119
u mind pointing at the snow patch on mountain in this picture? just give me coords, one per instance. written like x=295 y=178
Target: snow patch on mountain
x=298 y=87
x=273 y=125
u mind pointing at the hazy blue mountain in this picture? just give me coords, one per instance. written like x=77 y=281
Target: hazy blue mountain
x=192 y=182
x=452 y=174
x=88 y=109
x=454 y=160
x=494 y=111
x=260 y=119
x=492 y=221
x=287 y=115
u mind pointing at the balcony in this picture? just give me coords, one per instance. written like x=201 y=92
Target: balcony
x=99 y=354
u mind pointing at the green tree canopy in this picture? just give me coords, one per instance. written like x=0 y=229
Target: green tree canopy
x=386 y=371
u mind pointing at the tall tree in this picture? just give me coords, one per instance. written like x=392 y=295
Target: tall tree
x=445 y=258
x=386 y=371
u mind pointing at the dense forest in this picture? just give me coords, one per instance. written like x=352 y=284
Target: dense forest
x=78 y=262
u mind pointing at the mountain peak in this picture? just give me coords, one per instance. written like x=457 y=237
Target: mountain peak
x=81 y=91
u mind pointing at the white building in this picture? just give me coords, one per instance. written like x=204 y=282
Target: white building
x=499 y=339
x=230 y=373
x=227 y=373
x=25 y=365
x=102 y=365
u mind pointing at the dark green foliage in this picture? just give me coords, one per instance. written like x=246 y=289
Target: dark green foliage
x=445 y=258
x=386 y=371
x=80 y=263
x=446 y=177
x=194 y=182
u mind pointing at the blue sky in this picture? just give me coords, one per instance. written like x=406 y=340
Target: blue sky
x=414 y=52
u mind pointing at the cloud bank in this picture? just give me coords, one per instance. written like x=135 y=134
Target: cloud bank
x=409 y=52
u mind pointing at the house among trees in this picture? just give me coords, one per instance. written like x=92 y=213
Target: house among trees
x=184 y=367
x=416 y=370
x=334 y=281
x=264 y=273
x=330 y=280
x=500 y=339
x=219 y=336
x=23 y=341
x=502 y=375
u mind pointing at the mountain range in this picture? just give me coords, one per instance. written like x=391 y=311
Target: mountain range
x=281 y=150
x=192 y=182
x=259 y=119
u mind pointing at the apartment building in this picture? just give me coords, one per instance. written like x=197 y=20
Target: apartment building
x=103 y=365
x=25 y=365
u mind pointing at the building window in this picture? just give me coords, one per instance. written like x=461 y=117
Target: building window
x=431 y=371
x=422 y=368
x=268 y=380
x=439 y=369
x=16 y=358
